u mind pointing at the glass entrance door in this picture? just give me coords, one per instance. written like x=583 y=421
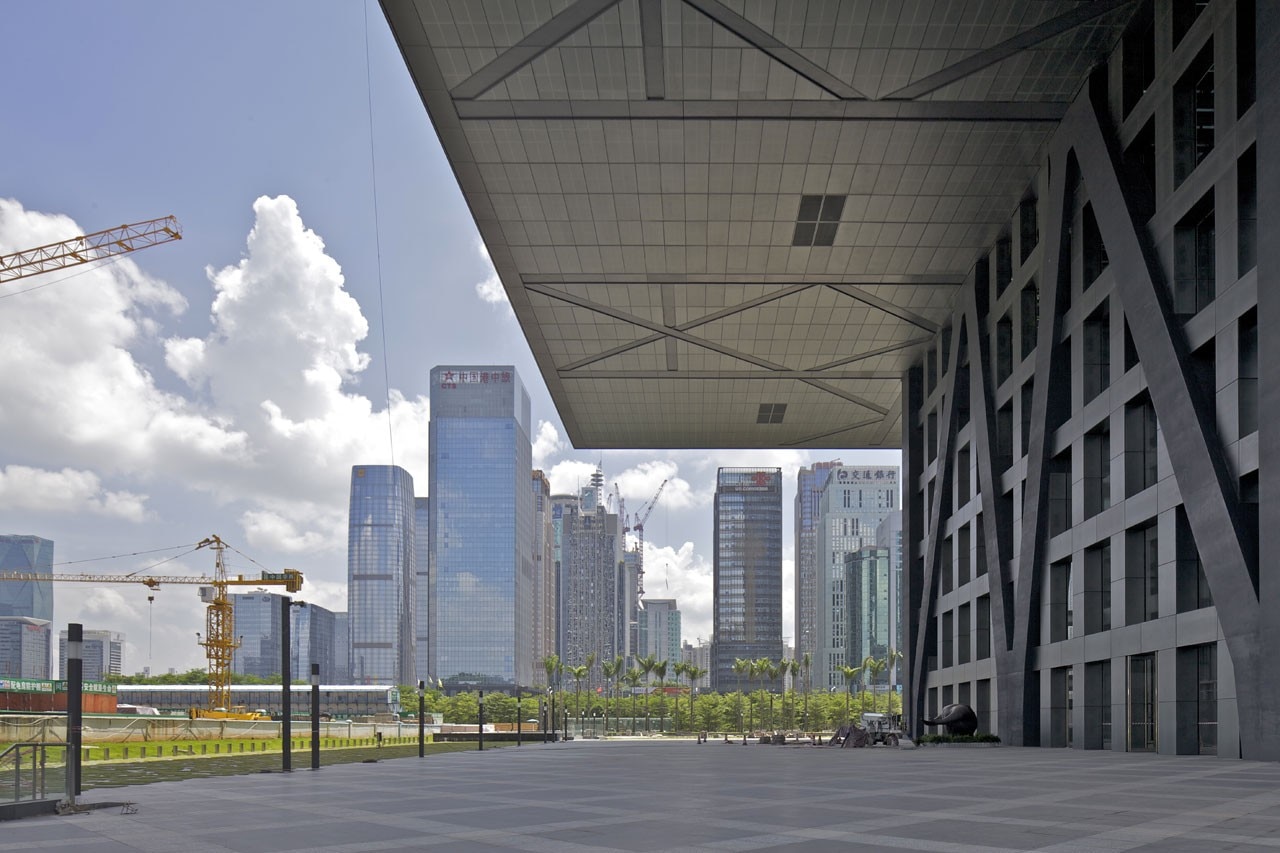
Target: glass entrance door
x=1142 y=703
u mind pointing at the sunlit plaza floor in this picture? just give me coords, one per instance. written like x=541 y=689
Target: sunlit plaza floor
x=631 y=795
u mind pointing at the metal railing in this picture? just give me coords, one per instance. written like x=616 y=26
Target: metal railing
x=33 y=771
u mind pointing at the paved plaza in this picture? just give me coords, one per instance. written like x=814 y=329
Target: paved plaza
x=681 y=796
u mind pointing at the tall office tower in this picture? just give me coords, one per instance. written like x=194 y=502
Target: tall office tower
x=699 y=656
x=421 y=589
x=629 y=605
x=747 y=572
x=381 y=575
x=341 y=648
x=889 y=537
x=809 y=485
x=313 y=639
x=27 y=598
x=481 y=569
x=562 y=507
x=25 y=647
x=544 y=571
x=256 y=617
x=590 y=565
x=856 y=499
x=102 y=653
x=872 y=622
x=659 y=628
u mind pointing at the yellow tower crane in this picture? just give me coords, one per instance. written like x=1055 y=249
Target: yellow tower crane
x=219 y=640
x=89 y=247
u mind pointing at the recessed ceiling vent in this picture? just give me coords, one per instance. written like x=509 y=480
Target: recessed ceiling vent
x=771 y=413
x=818 y=220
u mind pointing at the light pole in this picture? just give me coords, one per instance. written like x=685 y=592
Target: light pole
x=542 y=714
x=315 y=716
x=519 y=719
x=480 y=728
x=422 y=722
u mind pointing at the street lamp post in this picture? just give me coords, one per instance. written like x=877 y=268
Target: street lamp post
x=519 y=720
x=422 y=722
x=480 y=728
x=542 y=715
x=315 y=716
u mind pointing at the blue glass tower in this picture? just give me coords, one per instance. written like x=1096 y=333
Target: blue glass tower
x=381 y=575
x=422 y=616
x=747 y=575
x=27 y=554
x=481 y=571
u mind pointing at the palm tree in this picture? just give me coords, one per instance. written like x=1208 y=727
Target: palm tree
x=611 y=669
x=807 y=663
x=660 y=670
x=693 y=672
x=741 y=667
x=677 y=670
x=851 y=675
x=893 y=657
x=632 y=678
x=646 y=665
x=873 y=667
x=790 y=666
x=578 y=673
x=551 y=663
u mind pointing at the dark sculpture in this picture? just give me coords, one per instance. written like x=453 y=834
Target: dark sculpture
x=959 y=720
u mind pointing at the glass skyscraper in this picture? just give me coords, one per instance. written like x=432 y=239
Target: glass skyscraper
x=747 y=575
x=381 y=575
x=28 y=554
x=481 y=570
x=422 y=584
x=809 y=485
x=256 y=616
x=857 y=498
x=313 y=639
x=102 y=654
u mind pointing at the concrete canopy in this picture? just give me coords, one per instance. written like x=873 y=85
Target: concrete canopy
x=735 y=224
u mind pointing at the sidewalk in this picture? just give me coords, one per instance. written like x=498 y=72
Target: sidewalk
x=590 y=795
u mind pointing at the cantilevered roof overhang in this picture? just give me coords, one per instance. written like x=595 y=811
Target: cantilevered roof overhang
x=734 y=223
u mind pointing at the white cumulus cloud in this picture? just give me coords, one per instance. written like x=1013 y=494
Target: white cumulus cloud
x=490 y=288
x=546 y=443
x=65 y=491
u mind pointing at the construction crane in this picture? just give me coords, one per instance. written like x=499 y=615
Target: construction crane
x=642 y=515
x=88 y=248
x=219 y=640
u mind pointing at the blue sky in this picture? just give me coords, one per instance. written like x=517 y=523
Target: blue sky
x=143 y=414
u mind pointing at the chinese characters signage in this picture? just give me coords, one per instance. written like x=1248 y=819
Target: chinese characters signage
x=454 y=378
x=866 y=475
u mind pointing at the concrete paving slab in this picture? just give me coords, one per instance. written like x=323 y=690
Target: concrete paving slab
x=672 y=796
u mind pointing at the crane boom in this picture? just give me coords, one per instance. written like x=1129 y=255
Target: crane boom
x=642 y=515
x=89 y=247
x=219 y=641
x=291 y=577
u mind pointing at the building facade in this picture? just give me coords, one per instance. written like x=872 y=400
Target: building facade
x=482 y=569
x=313 y=638
x=810 y=483
x=421 y=589
x=25 y=647
x=382 y=575
x=545 y=581
x=102 y=654
x=853 y=503
x=256 y=616
x=700 y=656
x=1088 y=439
x=747 y=569
x=659 y=630
x=590 y=566
x=341 y=647
x=28 y=555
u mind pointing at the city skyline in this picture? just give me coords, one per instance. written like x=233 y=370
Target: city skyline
x=233 y=412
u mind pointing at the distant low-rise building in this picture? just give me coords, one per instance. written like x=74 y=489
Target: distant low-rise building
x=102 y=653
